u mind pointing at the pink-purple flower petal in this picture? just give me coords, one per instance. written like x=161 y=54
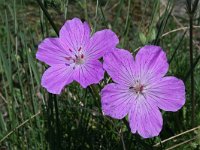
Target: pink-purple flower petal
x=145 y=118
x=74 y=34
x=116 y=100
x=51 y=52
x=89 y=73
x=56 y=77
x=168 y=93
x=100 y=43
x=120 y=66
x=151 y=62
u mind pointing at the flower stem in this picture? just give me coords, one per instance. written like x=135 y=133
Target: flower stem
x=189 y=72
x=191 y=9
x=58 y=135
x=50 y=120
x=48 y=16
x=192 y=70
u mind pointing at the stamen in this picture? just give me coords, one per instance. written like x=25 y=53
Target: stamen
x=82 y=56
x=67 y=64
x=79 y=49
x=68 y=58
x=70 y=50
x=141 y=88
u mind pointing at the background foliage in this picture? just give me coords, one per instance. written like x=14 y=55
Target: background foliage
x=30 y=118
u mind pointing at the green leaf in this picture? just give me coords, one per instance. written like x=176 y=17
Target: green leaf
x=143 y=38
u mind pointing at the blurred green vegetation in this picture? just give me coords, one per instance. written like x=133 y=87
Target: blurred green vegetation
x=28 y=119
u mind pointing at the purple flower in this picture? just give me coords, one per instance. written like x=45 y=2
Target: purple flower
x=140 y=89
x=74 y=55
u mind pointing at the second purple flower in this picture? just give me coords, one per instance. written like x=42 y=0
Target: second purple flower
x=140 y=89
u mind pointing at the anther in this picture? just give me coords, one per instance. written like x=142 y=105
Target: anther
x=68 y=58
x=66 y=64
x=79 y=49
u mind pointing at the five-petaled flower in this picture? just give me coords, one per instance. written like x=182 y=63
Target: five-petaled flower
x=74 y=55
x=140 y=89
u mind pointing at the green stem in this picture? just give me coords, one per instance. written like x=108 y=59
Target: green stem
x=176 y=49
x=58 y=137
x=189 y=72
x=50 y=120
x=192 y=70
x=48 y=16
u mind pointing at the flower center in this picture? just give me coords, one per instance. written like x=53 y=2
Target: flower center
x=137 y=88
x=77 y=58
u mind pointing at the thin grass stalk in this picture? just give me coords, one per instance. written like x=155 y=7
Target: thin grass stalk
x=19 y=126
x=191 y=10
x=192 y=70
x=85 y=10
x=176 y=136
x=66 y=9
x=118 y=13
x=50 y=122
x=193 y=66
x=127 y=24
x=48 y=16
x=58 y=137
x=163 y=23
x=176 y=49
x=182 y=143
